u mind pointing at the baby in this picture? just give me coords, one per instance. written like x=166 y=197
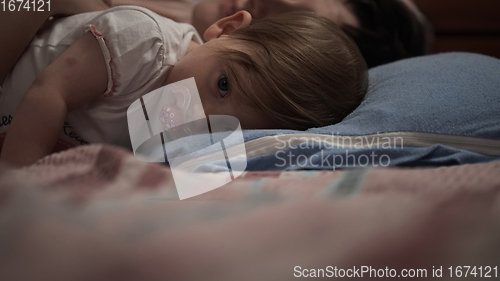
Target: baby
x=293 y=71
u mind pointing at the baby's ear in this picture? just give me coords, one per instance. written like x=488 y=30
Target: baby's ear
x=227 y=25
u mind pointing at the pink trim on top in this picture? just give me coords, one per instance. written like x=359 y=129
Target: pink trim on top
x=107 y=56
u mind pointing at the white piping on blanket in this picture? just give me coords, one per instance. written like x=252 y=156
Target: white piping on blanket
x=269 y=144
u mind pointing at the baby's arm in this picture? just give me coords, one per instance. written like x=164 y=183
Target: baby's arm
x=78 y=76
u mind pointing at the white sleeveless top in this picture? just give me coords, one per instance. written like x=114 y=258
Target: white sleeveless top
x=139 y=47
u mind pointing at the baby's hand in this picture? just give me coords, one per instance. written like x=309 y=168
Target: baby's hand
x=71 y=7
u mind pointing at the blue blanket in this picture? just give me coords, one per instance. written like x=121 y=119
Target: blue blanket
x=428 y=111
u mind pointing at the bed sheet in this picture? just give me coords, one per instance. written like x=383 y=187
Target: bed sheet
x=95 y=212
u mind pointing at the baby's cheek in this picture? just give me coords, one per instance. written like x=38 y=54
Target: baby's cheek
x=198 y=112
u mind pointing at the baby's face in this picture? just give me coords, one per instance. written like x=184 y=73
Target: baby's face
x=216 y=87
x=206 y=13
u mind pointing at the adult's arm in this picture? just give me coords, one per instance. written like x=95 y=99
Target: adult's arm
x=16 y=31
x=177 y=10
x=17 y=28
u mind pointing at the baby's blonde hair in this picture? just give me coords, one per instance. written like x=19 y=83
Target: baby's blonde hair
x=302 y=70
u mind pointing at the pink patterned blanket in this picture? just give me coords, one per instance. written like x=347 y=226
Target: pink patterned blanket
x=97 y=213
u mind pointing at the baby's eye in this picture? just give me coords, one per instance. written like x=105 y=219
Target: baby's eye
x=223 y=85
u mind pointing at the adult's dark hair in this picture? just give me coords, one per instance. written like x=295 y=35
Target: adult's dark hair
x=388 y=31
